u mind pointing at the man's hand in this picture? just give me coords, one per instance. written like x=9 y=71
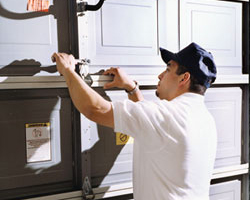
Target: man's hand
x=121 y=79
x=64 y=62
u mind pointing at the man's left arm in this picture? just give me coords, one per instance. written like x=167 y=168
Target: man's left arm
x=85 y=99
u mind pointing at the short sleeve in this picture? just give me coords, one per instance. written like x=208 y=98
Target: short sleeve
x=144 y=120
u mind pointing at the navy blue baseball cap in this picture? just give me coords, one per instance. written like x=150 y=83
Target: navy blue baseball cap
x=197 y=60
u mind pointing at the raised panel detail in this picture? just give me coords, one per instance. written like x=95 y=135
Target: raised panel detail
x=124 y=32
x=225 y=106
x=230 y=190
x=131 y=32
x=223 y=20
x=216 y=26
x=127 y=28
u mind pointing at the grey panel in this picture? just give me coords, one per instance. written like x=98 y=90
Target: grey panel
x=230 y=190
x=28 y=39
x=22 y=107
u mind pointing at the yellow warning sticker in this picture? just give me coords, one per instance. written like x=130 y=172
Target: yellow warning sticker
x=122 y=139
x=45 y=124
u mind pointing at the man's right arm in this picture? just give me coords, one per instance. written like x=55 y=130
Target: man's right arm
x=86 y=100
x=121 y=80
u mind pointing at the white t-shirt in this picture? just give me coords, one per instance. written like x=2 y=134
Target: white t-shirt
x=174 y=146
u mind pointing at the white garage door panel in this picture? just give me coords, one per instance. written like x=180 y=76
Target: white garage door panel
x=23 y=37
x=225 y=106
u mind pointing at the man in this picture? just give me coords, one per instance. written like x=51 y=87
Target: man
x=174 y=137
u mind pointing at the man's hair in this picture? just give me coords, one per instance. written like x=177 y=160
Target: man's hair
x=195 y=86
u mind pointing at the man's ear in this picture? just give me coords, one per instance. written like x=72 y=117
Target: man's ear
x=184 y=78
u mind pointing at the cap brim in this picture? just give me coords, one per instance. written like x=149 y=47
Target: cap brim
x=168 y=55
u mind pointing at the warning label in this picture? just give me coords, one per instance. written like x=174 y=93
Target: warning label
x=122 y=139
x=38 y=142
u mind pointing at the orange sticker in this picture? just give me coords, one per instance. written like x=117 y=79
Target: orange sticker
x=38 y=5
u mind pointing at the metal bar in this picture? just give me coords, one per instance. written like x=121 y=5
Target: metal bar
x=25 y=82
x=230 y=171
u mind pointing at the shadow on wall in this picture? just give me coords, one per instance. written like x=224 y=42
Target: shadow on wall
x=25 y=68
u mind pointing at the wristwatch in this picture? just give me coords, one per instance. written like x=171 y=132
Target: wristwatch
x=134 y=90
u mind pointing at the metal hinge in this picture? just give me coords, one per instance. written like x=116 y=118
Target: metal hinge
x=81 y=7
x=83 y=66
x=87 y=191
x=84 y=70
